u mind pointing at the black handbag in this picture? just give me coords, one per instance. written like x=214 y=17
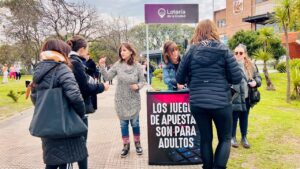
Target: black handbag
x=254 y=95
x=54 y=117
x=89 y=107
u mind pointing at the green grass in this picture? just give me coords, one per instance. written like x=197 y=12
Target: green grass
x=7 y=106
x=274 y=131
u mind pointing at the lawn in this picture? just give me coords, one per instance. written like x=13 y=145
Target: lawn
x=274 y=131
x=7 y=106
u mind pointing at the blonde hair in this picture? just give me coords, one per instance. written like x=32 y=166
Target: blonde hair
x=247 y=62
x=205 y=30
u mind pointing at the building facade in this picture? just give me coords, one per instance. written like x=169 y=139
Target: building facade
x=249 y=15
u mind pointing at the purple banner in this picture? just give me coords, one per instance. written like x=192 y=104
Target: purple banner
x=171 y=13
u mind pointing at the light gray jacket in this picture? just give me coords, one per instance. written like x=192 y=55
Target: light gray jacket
x=127 y=101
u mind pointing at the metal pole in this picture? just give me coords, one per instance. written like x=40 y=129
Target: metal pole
x=148 y=60
x=213 y=8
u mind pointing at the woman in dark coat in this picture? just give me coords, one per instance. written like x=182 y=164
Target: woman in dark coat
x=210 y=68
x=242 y=104
x=54 y=56
x=87 y=85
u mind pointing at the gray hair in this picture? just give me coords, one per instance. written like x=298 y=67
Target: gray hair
x=242 y=46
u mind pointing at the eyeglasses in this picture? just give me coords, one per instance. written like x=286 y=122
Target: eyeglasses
x=241 y=53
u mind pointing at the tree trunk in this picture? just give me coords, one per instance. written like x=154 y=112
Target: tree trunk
x=288 y=86
x=270 y=85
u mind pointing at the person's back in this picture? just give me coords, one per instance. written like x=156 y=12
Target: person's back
x=59 y=152
x=210 y=68
x=210 y=75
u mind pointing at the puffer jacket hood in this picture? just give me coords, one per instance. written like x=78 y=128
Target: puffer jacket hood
x=49 y=59
x=42 y=69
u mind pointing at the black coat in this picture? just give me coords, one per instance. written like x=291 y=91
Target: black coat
x=210 y=70
x=88 y=85
x=68 y=150
x=91 y=68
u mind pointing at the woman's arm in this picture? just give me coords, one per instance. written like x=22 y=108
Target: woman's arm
x=111 y=73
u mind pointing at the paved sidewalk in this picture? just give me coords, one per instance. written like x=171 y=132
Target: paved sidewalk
x=19 y=150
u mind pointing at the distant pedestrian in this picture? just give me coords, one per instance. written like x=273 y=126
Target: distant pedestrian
x=5 y=73
x=12 y=72
x=127 y=98
x=18 y=73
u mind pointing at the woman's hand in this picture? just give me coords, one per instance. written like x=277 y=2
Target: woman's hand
x=179 y=86
x=134 y=87
x=106 y=86
x=102 y=62
x=252 y=83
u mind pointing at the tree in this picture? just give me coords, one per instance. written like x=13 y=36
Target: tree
x=22 y=27
x=158 y=34
x=65 y=19
x=248 y=38
x=284 y=17
x=266 y=37
x=263 y=55
x=100 y=49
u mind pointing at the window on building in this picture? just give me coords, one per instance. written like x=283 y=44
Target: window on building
x=260 y=1
x=221 y=23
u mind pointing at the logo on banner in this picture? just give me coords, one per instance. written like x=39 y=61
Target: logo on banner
x=174 y=13
x=161 y=12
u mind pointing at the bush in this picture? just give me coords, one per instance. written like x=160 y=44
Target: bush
x=15 y=96
x=295 y=76
x=23 y=71
x=281 y=67
x=158 y=73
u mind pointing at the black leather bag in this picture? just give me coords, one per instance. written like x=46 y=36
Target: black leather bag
x=53 y=115
x=254 y=96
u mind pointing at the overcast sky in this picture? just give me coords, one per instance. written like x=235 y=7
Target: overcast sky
x=134 y=9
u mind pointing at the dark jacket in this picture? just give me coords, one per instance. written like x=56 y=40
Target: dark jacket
x=239 y=103
x=60 y=151
x=210 y=70
x=92 y=72
x=88 y=86
x=91 y=68
x=169 y=74
x=258 y=80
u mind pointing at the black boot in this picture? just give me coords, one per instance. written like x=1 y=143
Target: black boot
x=138 y=148
x=125 y=150
x=234 y=143
x=245 y=142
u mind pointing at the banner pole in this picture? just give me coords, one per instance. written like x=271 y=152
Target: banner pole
x=148 y=60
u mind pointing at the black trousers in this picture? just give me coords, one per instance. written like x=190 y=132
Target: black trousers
x=222 y=119
x=243 y=119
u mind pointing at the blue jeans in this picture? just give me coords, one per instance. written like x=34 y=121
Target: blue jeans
x=135 y=124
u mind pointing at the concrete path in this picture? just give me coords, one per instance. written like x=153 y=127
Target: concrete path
x=19 y=150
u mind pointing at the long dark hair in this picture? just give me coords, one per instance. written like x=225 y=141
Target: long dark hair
x=58 y=46
x=131 y=49
x=77 y=42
